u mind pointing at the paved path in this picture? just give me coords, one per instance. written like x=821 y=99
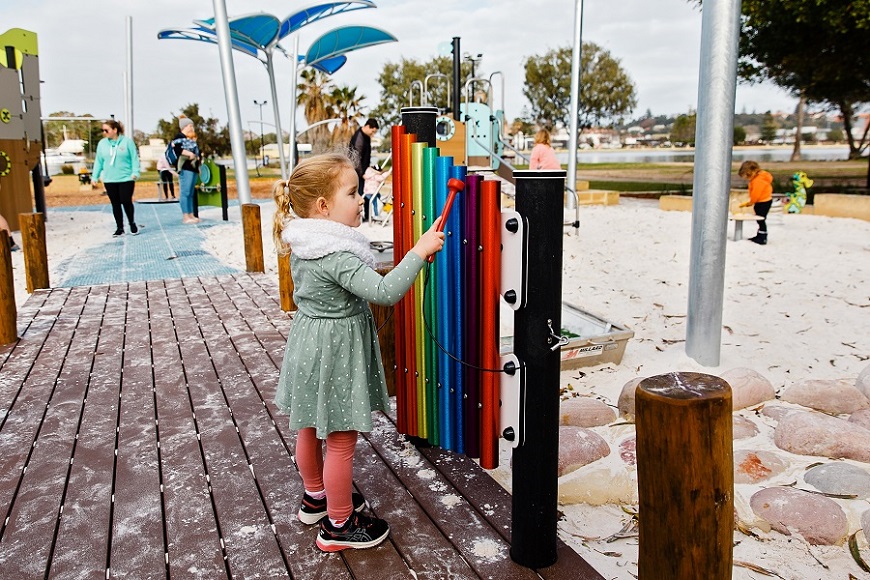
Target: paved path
x=164 y=249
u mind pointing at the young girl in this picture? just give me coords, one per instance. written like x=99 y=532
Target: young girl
x=760 y=196
x=332 y=376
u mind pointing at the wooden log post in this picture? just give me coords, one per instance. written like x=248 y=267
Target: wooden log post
x=285 y=283
x=35 y=254
x=386 y=336
x=685 y=477
x=253 y=232
x=8 y=312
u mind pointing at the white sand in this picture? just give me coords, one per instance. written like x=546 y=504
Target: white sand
x=797 y=308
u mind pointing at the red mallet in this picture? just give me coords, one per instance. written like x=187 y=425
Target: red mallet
x=453 y=187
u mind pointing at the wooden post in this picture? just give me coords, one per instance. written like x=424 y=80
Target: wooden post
x=685 y=477
x=285 y=283
x=8 y=312
x=386 y=336
x=253 y=238
x=33 y=246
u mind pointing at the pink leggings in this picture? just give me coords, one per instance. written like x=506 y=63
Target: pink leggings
x=336 y=472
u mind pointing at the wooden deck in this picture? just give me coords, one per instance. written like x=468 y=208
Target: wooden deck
x=139 y=439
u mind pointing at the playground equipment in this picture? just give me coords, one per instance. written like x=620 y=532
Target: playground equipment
x=211 y=188
x=797 y=198
x=453 y=389
x=20 y=125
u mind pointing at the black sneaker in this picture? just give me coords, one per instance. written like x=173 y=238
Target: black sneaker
x=359 y=531
x=118 y=233
x=313 y=510
x=134 y=229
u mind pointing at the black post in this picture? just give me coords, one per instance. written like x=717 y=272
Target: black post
x=222 y=171
x=38 y=189
x=457 y=62
x=420 y=121
x=536 y=462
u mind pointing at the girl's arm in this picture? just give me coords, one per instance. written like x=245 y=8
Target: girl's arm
x=134 y=160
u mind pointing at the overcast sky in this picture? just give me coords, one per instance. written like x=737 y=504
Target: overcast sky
x=82 y=46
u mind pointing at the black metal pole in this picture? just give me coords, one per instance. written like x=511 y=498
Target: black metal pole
x=536 y=345
x=225 y=202
x=457 y=61
x=38 y=189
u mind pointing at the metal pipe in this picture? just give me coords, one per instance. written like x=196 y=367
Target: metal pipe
x=270 y=67
x=456 y=75
x=293 y=84
x=574 y=109
x=717 y=84
x=411 y=94
x=128 y=85
x=231 y=93
x=426 y=86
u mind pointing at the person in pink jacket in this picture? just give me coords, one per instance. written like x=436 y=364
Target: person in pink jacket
x=543 y=155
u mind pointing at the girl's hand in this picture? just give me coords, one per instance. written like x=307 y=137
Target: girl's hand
x=430 y=242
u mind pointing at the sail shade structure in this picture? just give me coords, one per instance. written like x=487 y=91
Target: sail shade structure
x=343 y=40
x=204 y=35
x=317 y=12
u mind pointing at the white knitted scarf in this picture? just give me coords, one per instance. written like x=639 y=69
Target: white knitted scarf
x=310 y=239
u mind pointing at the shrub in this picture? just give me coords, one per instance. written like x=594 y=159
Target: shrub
x=67 y=169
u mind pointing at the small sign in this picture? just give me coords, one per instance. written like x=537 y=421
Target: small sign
x=5 y=115
x=582 y=351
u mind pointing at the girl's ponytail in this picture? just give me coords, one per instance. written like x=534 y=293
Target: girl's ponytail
x=283 y=214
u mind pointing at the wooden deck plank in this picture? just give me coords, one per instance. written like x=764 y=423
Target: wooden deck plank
x=192 y=536
x=137 y=519
x=250 y=544
x=31 y=523
x=81 y=547
x=270 y=460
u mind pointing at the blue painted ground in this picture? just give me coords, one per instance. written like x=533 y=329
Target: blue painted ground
x=165 y=248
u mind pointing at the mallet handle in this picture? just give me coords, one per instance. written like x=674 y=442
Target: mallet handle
x=453 y=186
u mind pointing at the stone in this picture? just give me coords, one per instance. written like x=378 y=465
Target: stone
x=628 y=451
x=754 y=466
x=840 y=479
x=865 y=524
x=743 y=428
x=816 y=434
x=820 y=520
x=748 y=388
x=585 y=412
x=626 y=398
x=861 y=418
x=835 y=397
x=776 y=412
x=599 y=485
x=862 y=383
x=579 y=447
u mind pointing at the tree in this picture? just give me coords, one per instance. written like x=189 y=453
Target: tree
x=346 y=104
x=683 y=129
x=396 y=81
x=313 y=95
x=212 y=139
x=606 y=91
x=769 y=127
x=739 y=135
x=819 y=49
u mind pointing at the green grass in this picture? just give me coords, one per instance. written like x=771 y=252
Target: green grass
x=630 y=186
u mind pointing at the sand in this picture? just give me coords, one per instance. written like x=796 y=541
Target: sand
x=795 y=309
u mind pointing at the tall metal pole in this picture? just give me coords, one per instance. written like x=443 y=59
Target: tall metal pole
x=574 y=109
x=270 y=66
x=456 y=74
x=231 y=94
x=128 y=84
x=293 y=85
x=714 y=136
x=262 y=142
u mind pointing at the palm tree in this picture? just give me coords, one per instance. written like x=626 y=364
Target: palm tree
x=347 y=106
x=313 y=95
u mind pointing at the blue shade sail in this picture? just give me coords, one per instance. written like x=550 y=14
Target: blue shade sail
x=317 y=12
x=343 y=40
x=259 y=30
x=204 y=35
x=330 y=65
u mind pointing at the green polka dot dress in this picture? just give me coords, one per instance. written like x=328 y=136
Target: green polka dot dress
x=332 y=377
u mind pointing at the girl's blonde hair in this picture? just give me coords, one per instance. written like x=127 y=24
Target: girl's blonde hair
x=748 y=169
x=313 y=178
x=542 y=136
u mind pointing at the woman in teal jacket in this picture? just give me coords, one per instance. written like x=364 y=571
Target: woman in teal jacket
x=117 y=164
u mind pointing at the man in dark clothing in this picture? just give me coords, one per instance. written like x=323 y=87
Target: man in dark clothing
x=361 y=143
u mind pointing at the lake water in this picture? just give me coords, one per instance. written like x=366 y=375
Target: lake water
x=760 y=154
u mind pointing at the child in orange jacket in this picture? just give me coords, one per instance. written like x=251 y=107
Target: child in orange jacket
x=760 y=196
